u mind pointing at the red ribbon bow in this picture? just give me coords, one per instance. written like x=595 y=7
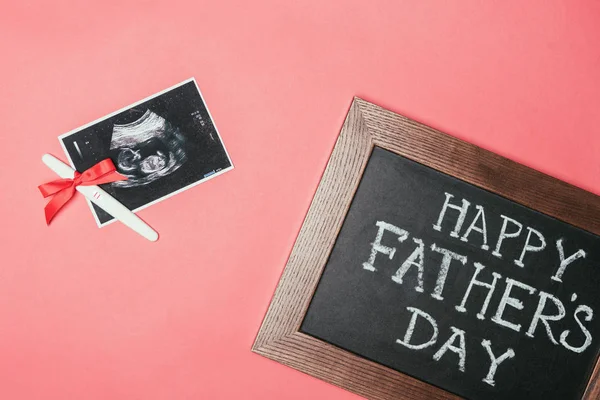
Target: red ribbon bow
x=64 y=189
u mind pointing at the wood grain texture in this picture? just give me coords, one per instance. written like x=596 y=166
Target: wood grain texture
x=368 y=125
x=482 y=168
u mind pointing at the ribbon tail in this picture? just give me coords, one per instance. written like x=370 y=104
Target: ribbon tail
x=107 y=178
x=57 y=202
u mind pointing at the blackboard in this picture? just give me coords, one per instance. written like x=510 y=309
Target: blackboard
x=395 y=288
x=364 y=303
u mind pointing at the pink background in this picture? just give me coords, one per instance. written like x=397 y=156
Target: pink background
x=88 y=313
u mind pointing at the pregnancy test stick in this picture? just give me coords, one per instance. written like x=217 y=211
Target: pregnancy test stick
x=102 y=199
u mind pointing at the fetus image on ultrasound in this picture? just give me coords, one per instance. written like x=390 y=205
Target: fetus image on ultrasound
x=164 y=144
x=146 y=150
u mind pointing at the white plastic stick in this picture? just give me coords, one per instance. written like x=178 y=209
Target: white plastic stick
x=102 y=199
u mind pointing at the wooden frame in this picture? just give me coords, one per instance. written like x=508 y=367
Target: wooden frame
x=366 y=126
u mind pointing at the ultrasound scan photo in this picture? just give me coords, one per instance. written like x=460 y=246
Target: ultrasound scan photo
x=163 y=145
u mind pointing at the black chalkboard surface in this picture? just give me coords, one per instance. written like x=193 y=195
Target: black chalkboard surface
x=429 y=268
x=460 y=287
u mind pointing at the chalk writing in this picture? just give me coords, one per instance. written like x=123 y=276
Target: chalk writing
x=457 y=213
